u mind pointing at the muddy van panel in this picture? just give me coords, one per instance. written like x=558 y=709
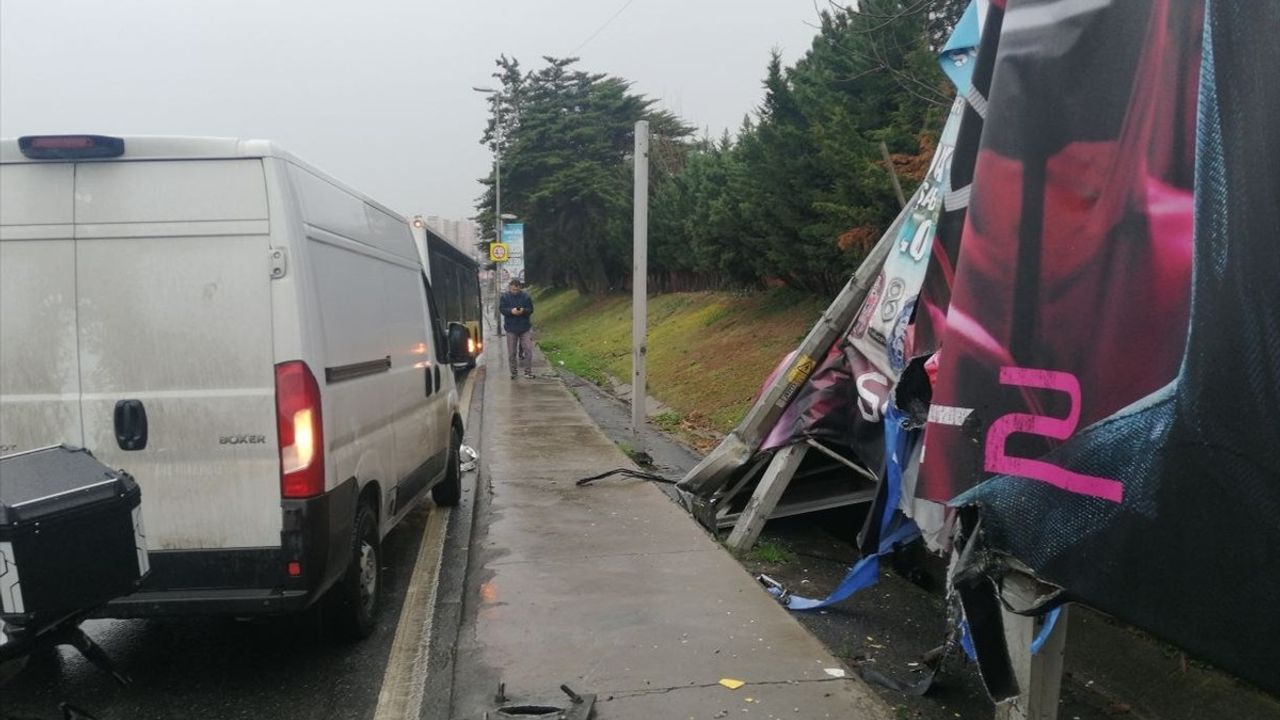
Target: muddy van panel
x=39 y=362
x=175 y=318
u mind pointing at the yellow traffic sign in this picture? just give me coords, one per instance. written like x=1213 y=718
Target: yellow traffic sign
x=498 y=252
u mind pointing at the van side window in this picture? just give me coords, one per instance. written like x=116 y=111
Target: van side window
x=438 y=329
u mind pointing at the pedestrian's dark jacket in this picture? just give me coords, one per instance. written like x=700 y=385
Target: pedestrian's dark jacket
x=516 y=323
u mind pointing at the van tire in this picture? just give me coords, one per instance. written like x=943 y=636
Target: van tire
x=448 y=491
x=354 y=602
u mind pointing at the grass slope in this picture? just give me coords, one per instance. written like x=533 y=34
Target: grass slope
x=708 y=352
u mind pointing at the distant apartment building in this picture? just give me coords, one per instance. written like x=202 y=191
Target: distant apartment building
x=463 y=234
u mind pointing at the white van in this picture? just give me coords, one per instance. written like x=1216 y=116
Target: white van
x=253 y=341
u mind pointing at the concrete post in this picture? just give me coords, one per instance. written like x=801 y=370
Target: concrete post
x=640 y=280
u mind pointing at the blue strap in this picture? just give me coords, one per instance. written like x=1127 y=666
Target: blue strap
x=1050 y=621
x=863 y=574
x=1046 y=629
x=966 y=641
x=895 y=529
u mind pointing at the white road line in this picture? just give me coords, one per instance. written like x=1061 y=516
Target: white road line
x=406 y=672
x=405 y=677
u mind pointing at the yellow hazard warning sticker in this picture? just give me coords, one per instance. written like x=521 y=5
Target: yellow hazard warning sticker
x=800 y=371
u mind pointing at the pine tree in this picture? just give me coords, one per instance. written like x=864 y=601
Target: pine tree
x=566 y=170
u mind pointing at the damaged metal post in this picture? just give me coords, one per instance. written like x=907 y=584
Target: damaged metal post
x=1039 y=674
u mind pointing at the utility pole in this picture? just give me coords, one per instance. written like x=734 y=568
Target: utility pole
x=640 y=280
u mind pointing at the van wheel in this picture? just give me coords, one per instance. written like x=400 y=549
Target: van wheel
x=449 y=491
x=355 y=600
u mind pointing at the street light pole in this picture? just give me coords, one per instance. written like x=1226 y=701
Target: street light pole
x=497 y=206
x=497 y=199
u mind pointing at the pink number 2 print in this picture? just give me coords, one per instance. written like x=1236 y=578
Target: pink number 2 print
x=1057 y=428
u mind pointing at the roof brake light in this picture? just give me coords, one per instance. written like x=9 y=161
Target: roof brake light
x=70 y=147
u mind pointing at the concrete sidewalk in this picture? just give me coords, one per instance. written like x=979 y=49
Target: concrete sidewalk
x=615 y=590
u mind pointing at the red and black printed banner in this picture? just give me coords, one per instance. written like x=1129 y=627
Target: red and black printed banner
x=1107 y=314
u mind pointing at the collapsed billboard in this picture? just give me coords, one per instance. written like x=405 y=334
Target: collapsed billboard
x=1094 y=353
x=1106 y=315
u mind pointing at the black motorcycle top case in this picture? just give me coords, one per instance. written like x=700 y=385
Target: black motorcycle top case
x=71 y=534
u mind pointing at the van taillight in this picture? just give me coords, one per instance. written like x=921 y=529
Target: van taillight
x=301 y=431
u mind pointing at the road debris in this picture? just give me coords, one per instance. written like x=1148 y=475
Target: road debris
x=469 y=458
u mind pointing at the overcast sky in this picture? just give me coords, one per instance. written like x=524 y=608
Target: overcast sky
x=375 y=92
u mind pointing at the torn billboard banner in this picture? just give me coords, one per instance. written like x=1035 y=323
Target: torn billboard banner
x=881 y=332
x=1111 y=339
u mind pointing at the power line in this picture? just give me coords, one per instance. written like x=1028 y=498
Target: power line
x=600 y=29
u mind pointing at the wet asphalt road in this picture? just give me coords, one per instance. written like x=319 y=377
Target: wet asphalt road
x=223 y=668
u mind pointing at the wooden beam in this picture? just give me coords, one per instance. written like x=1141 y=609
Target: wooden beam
x=766 y=496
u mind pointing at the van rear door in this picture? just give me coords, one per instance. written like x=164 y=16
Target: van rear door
x=175 y=336
x=39 y=363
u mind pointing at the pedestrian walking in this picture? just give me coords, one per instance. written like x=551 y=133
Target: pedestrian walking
x=517 y=318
